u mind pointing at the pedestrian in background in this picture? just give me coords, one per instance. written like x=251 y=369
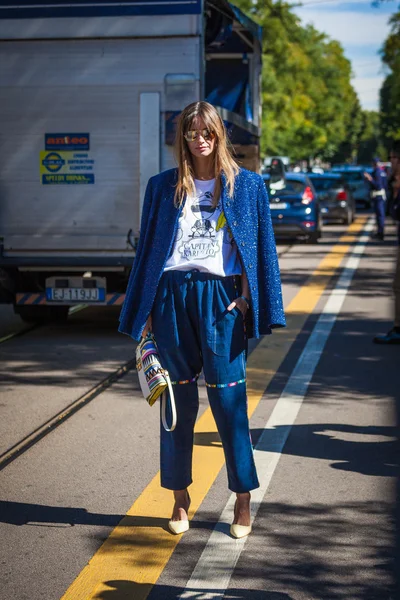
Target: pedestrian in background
x=393 y=336
x=205 y=278
x=378 y=194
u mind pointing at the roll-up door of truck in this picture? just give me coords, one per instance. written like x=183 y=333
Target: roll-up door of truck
x=87 y=87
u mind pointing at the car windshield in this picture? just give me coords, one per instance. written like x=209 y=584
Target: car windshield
x=291 y=187
x=323 y=184
x=353 y=176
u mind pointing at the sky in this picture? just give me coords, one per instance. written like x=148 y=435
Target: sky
x=361 y=28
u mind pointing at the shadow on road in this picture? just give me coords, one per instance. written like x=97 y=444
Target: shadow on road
x=358 y=453
x=120 y=590
x=317 y=552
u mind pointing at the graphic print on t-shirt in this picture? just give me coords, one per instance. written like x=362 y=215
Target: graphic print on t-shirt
x=201 y=242
x=204 y=241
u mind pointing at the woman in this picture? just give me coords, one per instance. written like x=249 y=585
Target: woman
x=205 y=278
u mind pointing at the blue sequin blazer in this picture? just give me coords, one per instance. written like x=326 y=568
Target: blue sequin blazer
x=248 y=215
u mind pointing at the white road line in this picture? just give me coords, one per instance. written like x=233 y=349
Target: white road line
x=217 y=562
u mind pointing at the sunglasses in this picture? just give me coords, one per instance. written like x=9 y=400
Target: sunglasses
x=193 y=134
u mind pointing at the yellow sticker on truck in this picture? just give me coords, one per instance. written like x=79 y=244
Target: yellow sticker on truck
x=66 y=168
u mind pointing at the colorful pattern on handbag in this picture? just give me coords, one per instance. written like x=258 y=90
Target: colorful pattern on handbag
x=151 y=375
x=153 y=379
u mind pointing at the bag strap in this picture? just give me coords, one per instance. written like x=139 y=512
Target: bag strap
x=164 y=397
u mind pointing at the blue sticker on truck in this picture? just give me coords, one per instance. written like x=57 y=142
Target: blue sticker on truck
x=68 y=179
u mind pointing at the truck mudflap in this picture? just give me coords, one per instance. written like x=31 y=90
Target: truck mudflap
x=34 y=299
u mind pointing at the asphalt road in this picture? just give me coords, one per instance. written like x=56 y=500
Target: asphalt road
x=81 y=512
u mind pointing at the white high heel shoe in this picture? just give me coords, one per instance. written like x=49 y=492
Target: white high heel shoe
x=239 y=531
x=178 y=527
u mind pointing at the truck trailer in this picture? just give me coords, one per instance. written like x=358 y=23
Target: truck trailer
x=90 y=94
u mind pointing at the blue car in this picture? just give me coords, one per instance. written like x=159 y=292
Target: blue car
x=294 y=207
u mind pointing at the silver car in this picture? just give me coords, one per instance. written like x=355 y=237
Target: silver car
x=335 y=197
x=357 y=182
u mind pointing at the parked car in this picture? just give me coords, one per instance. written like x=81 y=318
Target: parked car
x=294 y=208
x=336 y=200
x=357 y=182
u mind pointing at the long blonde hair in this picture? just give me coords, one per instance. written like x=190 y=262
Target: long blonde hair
x=223 y=159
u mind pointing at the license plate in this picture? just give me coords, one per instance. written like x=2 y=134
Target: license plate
x=75 y=295
x=278 y=205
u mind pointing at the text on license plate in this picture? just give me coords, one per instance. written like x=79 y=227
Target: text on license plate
x=75 y=294
x=278 y=205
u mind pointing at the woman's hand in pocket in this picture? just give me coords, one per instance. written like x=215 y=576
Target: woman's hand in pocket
x=240 y=304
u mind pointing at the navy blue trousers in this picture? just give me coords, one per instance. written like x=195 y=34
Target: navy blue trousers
x=194 y=330
x=379 y=206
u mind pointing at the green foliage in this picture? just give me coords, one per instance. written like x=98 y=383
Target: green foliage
x=309 y=105
x=390 y=91
x=369 y=142
x=362 y=147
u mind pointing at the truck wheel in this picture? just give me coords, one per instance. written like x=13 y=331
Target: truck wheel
x=42 y=314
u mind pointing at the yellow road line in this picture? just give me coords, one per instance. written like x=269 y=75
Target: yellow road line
x=133 y=557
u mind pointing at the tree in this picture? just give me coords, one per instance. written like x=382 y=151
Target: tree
x=309 y=105
x=369 y=144
x=390 y=91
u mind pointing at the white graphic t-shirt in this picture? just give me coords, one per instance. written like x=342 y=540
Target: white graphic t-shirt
x=203 y=239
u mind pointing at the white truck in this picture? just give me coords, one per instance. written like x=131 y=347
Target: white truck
x=89 y=96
